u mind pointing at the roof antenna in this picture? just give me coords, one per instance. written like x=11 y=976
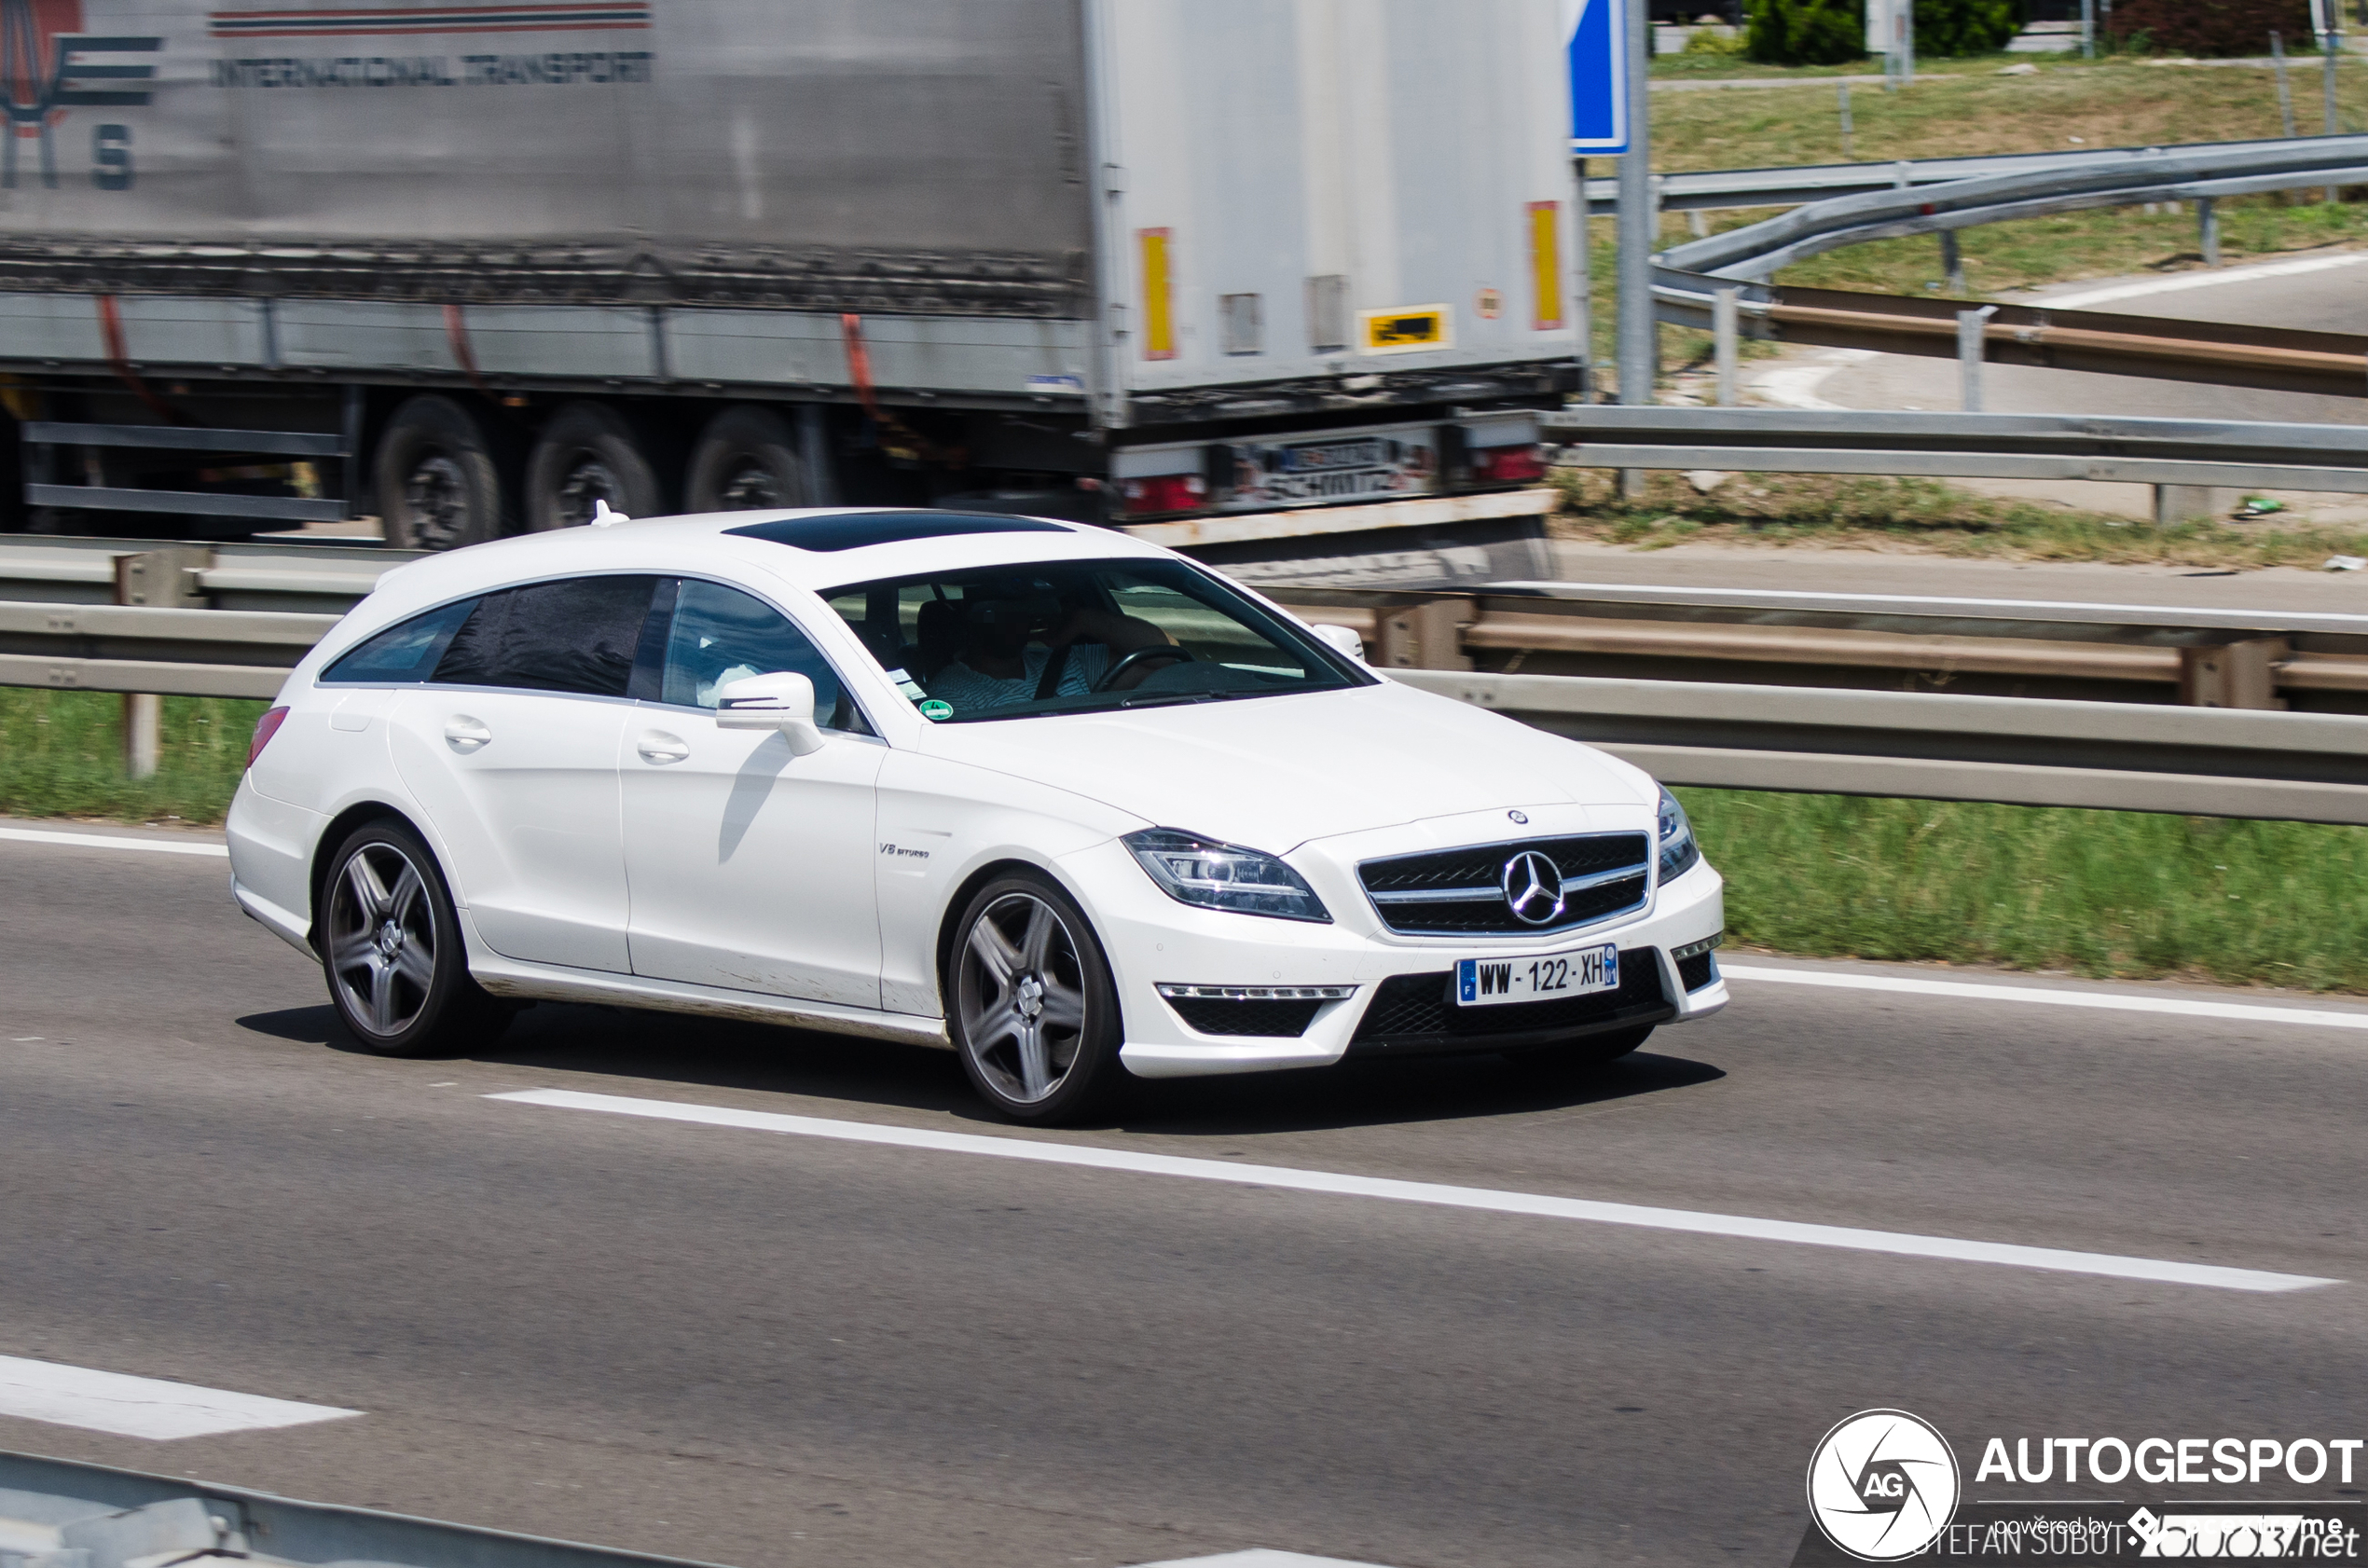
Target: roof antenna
x=604 y=518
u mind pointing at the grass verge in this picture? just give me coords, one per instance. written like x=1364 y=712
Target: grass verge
x=2118 y=894
x=1922 y=516
x=61 y=755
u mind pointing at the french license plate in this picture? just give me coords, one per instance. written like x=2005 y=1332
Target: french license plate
x=1493 y=981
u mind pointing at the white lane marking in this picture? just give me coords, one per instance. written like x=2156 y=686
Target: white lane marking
x=1972 y=991
x=1532 y=1204
x=2180 y=283
x=109 y=841
x=1259 y=1556
x=142 y=1407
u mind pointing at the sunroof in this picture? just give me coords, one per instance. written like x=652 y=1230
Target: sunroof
x=852 y=530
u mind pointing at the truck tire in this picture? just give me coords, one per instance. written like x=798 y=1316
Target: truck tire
x=586 y=454
x=439 y=486
x=747 y=460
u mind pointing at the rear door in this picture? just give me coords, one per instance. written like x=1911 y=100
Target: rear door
x=511 y=749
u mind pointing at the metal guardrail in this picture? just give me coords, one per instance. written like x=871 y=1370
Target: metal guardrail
x=1690 y=279
x=1759 y=249
x=2015 y=750
x=57 y=1514
x=1725 y=189
x=2042 y=751
x=2211 y=659
x=2151 y=451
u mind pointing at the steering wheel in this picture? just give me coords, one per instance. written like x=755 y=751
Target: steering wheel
x=1161 y=650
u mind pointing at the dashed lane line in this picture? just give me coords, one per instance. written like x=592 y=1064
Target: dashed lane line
x=1529 y=1204
x=134 y=1406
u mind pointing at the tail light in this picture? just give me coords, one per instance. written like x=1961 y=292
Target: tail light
x=1164 y=492
x=265 y=728
x=1508 y=465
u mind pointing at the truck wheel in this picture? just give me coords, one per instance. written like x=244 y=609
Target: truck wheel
x=587 y=454
x=438 y=488
x=747 y=461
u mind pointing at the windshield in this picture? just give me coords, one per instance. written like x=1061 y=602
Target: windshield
x=1077 y=637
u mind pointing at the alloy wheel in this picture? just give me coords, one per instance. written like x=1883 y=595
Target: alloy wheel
x=382 y=938
x=1022 y=994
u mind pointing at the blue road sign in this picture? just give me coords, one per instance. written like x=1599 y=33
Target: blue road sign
x=1597 y=30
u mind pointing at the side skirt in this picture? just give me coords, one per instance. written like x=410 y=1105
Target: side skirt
x=548 y=982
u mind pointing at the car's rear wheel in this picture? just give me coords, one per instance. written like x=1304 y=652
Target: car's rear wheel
x=1035 y=1015
x=391 y=948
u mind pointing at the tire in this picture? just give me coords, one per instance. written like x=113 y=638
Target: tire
x=1579 y=1056
x=1033 y=1009
x=398 y=972
x=438 y=487
x=747 y=460
x=589 y=453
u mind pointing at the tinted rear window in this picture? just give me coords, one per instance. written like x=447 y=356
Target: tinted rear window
x=578 y=635
x=404 y=652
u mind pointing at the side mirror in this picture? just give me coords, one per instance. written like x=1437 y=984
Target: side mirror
x=1342 y=638
x=783 y=701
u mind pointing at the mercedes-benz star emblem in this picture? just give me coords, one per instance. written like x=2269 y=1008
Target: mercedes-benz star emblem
x=1533 y=886
x=1521 y=817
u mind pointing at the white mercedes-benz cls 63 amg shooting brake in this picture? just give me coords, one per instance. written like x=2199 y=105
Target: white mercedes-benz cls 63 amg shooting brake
x=1072 y=805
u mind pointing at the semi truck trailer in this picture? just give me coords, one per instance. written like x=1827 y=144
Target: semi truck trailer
x=1226 y=272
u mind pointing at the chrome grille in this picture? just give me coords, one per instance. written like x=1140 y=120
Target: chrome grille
x=1461 y=892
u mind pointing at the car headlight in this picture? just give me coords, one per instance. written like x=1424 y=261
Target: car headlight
x=1679 y=852
x=1197 y=871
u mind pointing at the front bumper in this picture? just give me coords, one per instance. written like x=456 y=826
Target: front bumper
x=1153 y=940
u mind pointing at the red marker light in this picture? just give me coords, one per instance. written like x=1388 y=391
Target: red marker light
x=265 y=728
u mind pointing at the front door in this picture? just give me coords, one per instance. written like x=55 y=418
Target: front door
x=751 y=869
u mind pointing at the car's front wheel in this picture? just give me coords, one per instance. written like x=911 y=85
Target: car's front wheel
x=391 y=948
x=1035 y=1015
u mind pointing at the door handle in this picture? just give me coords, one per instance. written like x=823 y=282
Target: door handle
x=660 y=747
x=464 y=734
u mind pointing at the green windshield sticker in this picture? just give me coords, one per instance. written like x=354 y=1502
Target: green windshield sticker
x=936 y=709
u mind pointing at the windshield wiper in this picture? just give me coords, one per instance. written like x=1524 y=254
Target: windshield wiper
x=1168 y=699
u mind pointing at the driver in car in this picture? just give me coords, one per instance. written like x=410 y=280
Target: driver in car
x=1003 y=662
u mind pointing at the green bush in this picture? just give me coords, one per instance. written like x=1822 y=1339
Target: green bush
x=1702 y=40
x=1962 y=27
x=1805 y=31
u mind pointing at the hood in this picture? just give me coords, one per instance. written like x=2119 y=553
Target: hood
x=1271 y=773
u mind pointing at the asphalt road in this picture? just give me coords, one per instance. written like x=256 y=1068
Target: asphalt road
x=761 y=1349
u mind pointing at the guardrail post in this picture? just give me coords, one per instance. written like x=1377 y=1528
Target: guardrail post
x=164 y=578
x=1723 y=335
x=1970 y=352
x=2179 y=504
x=2285 y=92
x=1953 y=261
x=2236 y=675
x=2207 y=230
x=1426 y=635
